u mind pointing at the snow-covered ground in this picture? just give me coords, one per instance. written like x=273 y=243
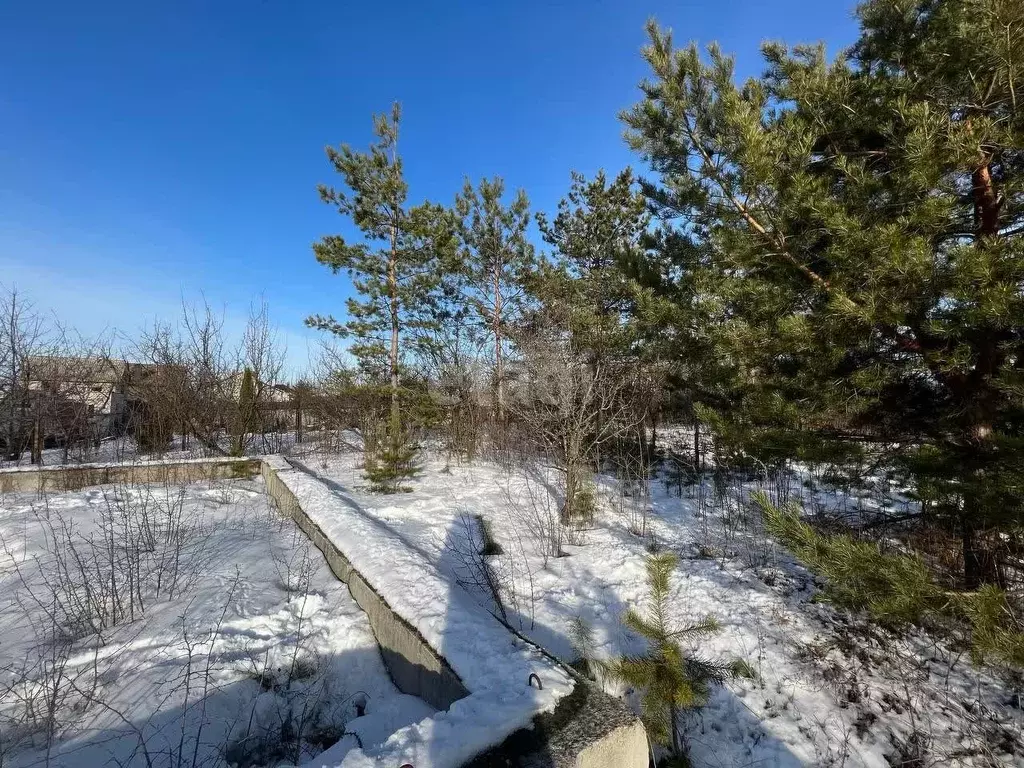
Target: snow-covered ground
x=508 y=680
x=124 y=449
x=227 y=639
x=829 y=690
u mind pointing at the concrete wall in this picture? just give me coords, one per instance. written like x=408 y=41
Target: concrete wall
x=413 y=665
x=588 y=729
x=72 y=477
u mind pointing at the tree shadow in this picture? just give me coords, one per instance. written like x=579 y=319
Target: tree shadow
x=472 y=587
x=449 y=733
x=469 y=724
x=599 y=602
x=271 y=715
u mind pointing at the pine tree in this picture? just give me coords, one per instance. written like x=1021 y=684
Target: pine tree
x=390 y=461
x=859 y=225
x=246 y=413
x=497 y=258
x=598 y=226
x=896 y=587
x=586 y=296
x=397 y=281
x=670 y=680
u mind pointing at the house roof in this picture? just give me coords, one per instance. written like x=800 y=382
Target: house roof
x=72 y=369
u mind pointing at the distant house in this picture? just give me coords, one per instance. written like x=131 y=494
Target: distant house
x=275 y=403
x=80 y=395
x=141 y=380
x=77 y=397
x=280 y=406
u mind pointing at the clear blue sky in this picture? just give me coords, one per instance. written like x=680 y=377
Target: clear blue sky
x=150 y=150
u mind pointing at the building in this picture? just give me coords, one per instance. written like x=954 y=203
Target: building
x=76 y=397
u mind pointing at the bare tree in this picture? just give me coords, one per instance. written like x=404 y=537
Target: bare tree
x=347 y=410
x=55 y=385
x=211 y=366
x=158 y=389
x=263 y=354
x=74 y=392
x=186 y=381
x=570 y=408
x=23 y=332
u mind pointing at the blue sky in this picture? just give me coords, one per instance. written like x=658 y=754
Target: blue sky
x=154 y=150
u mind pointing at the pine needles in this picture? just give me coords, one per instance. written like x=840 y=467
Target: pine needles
x=897 y=589
x=670 y=680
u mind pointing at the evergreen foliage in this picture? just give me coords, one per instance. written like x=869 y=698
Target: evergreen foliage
x=599 y=225
x=581 y=636
x=851 y=236
x=245 y=416
x=397 y=282
x=584 y=499
x=670 y=680
x=497 y=259
x=896 y=588
x=391 y=460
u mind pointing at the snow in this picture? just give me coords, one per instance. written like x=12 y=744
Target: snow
x=124 y=450
x=187 y=681
x=493 y=664
x=831 y=690
x=139 y=462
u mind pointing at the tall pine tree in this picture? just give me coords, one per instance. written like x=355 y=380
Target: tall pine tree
x=598 y=225
x=394 y=269
x=497 y=257
x=862 y=231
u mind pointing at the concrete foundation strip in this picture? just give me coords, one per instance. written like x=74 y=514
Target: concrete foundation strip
x=587 y=729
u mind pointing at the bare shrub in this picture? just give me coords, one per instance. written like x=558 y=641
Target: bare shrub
x=533 y=506
x=632 y=499
x=307 y=708
x=145 y=546
x=294 y=564
x=37 y=695
x=569 y=410
x=470 y=548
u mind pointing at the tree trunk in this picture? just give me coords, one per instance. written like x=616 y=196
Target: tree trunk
x=697 y=458
x=499 y=364
x=572 y=472
x=37 y=443
x=298 y=420
x=652 y=447
x=986 y=220
x=973 y=571
x=393 y=353
x=677 y=743
x=986 y=201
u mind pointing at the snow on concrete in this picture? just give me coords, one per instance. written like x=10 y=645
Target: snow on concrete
x=187 y=681
x=124 y=449
x=493 y=664
x=831 y=690
x=142 y=461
